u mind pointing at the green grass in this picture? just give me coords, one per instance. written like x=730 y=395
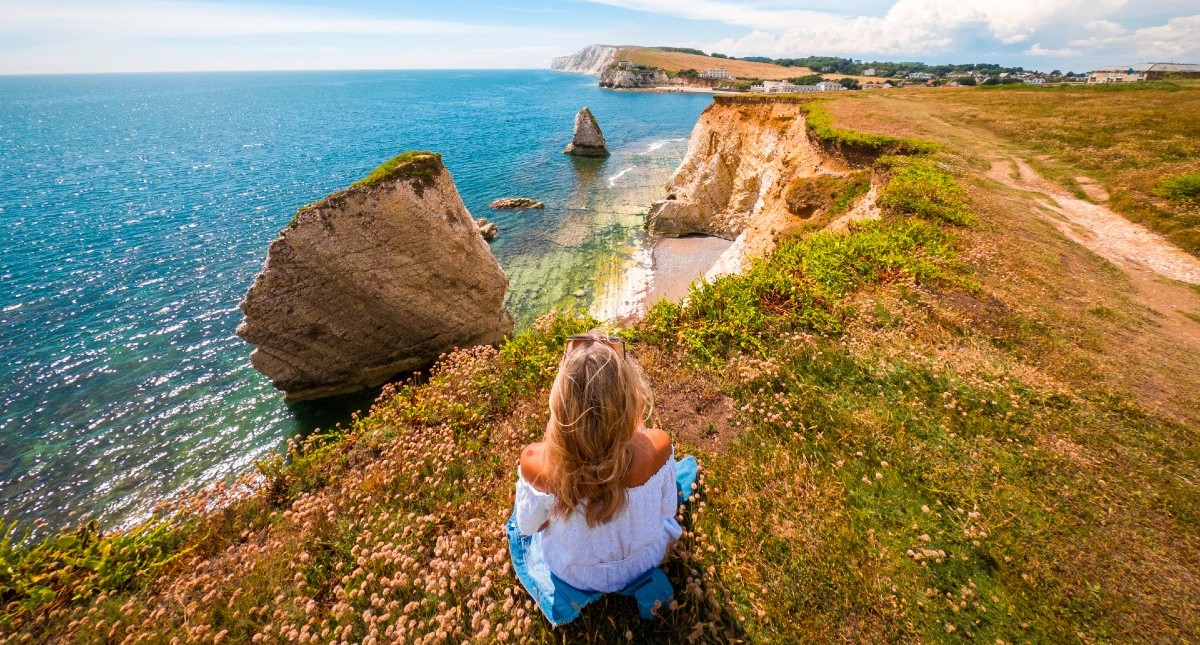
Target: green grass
x=803 y=286
x=820 y=125
x=1182 y=187
x=414 y=164
x=418 y=166
x=919 y=186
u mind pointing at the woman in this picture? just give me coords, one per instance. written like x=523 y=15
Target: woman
x=600 y=486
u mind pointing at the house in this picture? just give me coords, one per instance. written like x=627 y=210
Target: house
x=784 y=87
x=920 y=76
x=1143 y=72
x=869 y=72
x=715 y=73
x=829 y=86
x=1036 y=80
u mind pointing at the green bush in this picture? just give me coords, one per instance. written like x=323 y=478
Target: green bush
x=918 y=186
x=803 y=286
x=1184 y=187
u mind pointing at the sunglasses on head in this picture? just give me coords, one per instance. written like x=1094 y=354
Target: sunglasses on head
x=615 y=342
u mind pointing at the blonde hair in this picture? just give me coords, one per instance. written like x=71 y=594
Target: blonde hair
x=595 y=405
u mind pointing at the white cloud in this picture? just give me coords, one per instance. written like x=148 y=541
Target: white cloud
x=907 y=27
x=1038 y=50
x=1178 y=40
x=155 y=20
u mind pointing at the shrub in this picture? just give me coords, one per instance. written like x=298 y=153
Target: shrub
x=803 y=286
x=1184 y=187
x=918 y=186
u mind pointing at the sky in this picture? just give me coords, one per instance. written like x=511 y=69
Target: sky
x=57 y=36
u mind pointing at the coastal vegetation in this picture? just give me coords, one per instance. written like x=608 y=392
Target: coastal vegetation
x=414 y=164
x=925 y=428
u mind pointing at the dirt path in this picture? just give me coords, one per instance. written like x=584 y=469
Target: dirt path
x=1143 y=255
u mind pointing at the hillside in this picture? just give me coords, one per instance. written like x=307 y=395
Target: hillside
x=954 y=418
x=675 y=61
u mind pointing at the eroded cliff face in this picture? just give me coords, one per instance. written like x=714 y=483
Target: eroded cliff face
x=751 y=174
x=614 y=78
x=589 y=60
x=372 y=281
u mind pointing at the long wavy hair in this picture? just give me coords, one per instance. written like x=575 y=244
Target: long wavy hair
x=596 y=402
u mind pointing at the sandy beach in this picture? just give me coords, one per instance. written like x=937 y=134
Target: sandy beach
x=677 y=261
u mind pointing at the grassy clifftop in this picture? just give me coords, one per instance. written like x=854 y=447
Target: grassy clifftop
x=916 y=430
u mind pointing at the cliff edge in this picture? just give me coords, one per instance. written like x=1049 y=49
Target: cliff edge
x=589 y=60
x=746 y=175
x=372 y=281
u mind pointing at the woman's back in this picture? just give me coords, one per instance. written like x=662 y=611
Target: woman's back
x=605 y=556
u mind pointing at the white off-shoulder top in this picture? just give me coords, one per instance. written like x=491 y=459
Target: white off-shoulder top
x=609 y=556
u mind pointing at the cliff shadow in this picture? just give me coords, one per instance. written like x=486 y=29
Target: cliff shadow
x=325 y=414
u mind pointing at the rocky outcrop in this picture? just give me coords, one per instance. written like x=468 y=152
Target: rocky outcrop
x=630 y=79
x=515 y=203
x=373 y=281
x=747 y=176
x=588 y=140
x=589 y=60
x=487 y=229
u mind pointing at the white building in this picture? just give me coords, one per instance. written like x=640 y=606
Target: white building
x=920 y=76
x=1143 y=72
x=784 y=87
x=1036 y=80
x=715 y=73
x=869 y=72
x=829 y=86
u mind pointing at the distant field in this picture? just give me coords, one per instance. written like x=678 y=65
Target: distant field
x=1130 y=138
x=678 y=60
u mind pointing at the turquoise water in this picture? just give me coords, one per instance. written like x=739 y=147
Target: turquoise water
x=135 y=210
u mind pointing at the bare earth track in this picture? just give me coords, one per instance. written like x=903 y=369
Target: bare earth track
x=1144 y=256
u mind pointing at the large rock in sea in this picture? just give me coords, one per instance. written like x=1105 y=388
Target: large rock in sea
x=372 y=281
x=588 y=141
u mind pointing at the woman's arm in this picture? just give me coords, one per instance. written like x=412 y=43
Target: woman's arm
x=533 y=502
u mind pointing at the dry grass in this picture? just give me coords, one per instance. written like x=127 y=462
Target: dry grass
x=1130 y=140
x=674 y=61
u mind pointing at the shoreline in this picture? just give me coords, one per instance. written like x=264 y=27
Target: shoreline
x=677 y=262
x=664 y=89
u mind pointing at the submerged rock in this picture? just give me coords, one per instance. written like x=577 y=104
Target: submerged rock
x=487 y=229
x=588 y=141
x=515 y=203
x=372 y=281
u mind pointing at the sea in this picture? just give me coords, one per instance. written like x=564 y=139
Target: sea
x=136 y=209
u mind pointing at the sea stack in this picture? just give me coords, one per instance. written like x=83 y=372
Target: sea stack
x=372 y=281
x=588 y=140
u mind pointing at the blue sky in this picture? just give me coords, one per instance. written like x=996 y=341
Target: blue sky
x=169 y=35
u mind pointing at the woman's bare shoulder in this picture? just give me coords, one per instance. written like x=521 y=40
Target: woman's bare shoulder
x=533 y=465
x=653 y=450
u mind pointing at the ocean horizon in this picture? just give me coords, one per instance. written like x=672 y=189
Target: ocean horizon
x=136 y=208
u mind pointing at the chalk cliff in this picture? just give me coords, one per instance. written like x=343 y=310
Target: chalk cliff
x=372 y=281
x=751 y=174
x=589 y=60
x=616 y=78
